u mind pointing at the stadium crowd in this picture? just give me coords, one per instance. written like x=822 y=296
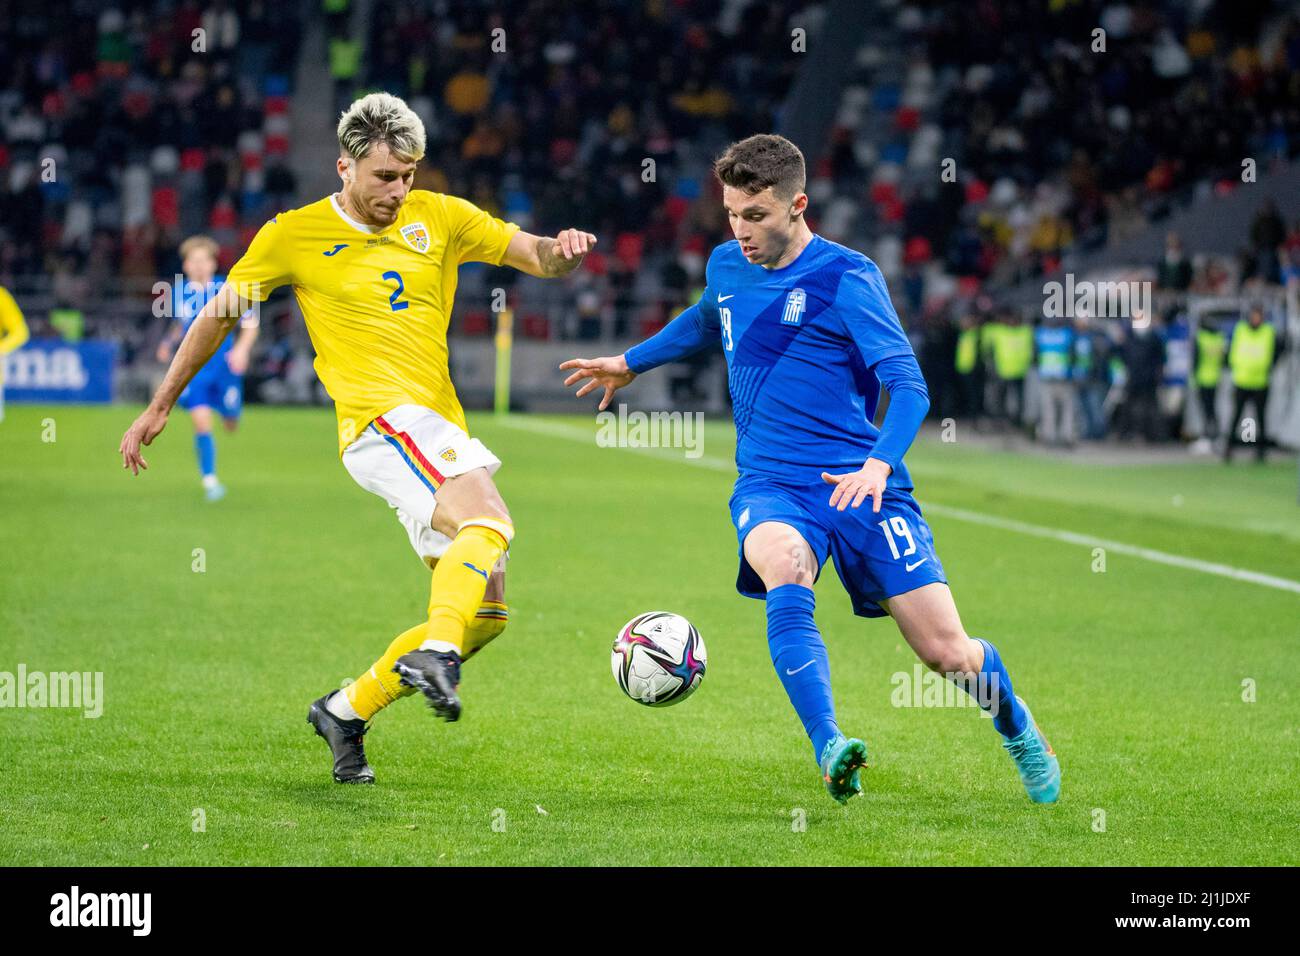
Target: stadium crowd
x=149 y=120
x=1056 y=145
x=138 y=123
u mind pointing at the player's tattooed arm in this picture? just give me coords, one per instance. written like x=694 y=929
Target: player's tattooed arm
x=546 y=257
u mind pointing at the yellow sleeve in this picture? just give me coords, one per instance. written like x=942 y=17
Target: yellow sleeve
x=12 y=326
x=265 y=265
x=475 y=235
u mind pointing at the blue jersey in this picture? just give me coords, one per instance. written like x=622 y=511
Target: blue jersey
x=215 y=385
x=802 y=345
x=1055 y=345
x=188 y=299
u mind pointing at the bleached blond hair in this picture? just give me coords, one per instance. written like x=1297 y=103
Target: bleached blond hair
x=381 y=118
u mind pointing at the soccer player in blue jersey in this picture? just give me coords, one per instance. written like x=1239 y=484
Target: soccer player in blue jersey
x=220 y=383
x=810 y=336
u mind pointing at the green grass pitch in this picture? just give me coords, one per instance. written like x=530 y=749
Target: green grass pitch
x=1137 y=674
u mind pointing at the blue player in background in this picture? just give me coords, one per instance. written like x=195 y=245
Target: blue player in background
x=220 y=383
x=810 y=336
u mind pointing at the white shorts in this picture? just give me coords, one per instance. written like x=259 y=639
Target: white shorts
x=403 y=456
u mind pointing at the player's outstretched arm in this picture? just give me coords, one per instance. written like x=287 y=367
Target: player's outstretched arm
x=201 y=342
x=610 y=373
x=548 y=258
x=685 y=335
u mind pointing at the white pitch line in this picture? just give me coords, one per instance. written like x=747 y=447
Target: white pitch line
x=574 y=433
x=1088 y=541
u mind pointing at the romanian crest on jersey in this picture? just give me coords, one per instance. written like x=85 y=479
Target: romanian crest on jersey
x=416 y=236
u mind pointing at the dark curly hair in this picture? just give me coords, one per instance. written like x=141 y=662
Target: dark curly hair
x=760 y=161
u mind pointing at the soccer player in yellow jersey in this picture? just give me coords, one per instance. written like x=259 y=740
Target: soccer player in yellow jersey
x=374 y=270
x=13 y=335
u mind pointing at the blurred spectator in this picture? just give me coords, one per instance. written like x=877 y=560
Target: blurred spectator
x=345 y=65
x=1011 y=344
x=1175 y=270
x=935 y=357
x=1091 y=372
x=1267 y=233
x=1054 y=353
x=1176 y=334
x=1144 y=361
x=69 y=323
x=970 y=369
x=1210 y=353
x=1251 y=356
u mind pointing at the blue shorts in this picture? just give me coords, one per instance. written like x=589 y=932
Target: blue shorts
x=877 y=555
x=215 y=387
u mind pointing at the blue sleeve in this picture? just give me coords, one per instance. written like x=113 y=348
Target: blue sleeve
x=909 y=401
x=867 y=314
x=863 y=306
x=685 y=335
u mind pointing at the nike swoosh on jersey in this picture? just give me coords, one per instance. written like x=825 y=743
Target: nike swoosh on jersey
x=913 y=567
x=724 y=298
x=791 y=673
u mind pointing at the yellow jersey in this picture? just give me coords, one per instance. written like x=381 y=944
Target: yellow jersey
x=13 y=330
x=377 y=303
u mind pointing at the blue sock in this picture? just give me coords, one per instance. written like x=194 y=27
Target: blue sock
x=207 y=452
x=801 y=662
x=1010 y=719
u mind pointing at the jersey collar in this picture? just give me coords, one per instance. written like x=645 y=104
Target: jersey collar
x=359 y=226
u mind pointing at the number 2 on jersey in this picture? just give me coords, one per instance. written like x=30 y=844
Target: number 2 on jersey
x=393 y=300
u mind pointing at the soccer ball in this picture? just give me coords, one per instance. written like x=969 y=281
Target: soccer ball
x=658 y=658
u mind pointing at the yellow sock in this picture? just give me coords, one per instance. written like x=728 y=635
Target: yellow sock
x=460 y=579
x=490 y=621
x=378 y=686
x=458 y=615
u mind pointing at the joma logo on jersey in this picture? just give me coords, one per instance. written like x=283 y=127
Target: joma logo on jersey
x=794 y=304
x=416 y=236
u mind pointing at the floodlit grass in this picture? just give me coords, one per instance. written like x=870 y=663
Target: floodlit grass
x=1136 y=674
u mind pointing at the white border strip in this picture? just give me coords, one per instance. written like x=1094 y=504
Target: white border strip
x=574 y=433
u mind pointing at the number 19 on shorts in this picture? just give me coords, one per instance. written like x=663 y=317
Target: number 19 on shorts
x=897 y=525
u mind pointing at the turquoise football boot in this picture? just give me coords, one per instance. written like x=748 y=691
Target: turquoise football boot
x=1040 y=771
x=841 y=758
